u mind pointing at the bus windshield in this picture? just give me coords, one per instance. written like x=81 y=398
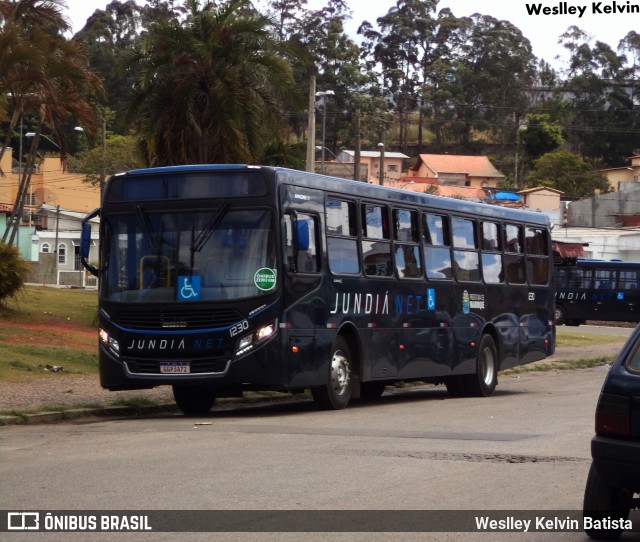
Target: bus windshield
x=188 y=256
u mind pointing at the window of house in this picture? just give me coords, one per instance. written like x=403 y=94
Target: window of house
x=46 y=248
x=62 y=253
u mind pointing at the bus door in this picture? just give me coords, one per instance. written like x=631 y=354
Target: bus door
x=304 y=309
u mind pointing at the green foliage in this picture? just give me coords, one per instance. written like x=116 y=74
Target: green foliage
x=211 y=90
x=13 y=271
x=542 y=135
x=568 y=172
x=120 y=154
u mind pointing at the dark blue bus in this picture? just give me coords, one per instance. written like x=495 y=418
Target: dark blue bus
x=604 y=290
x=216 y=279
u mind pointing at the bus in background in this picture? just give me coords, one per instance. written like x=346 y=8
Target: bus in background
x=597 y=290
x=216 y=279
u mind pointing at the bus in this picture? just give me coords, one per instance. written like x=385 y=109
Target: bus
x=605 y=290
x=216 y=279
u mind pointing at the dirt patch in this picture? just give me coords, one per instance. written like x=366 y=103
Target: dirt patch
x=55 y=333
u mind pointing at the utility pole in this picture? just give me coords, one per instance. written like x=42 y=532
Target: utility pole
x=311 y=123
x=356 y=154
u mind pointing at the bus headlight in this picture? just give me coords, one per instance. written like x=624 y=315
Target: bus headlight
x=109 y=342
x=252 y=340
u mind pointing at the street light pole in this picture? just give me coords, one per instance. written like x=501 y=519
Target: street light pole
x=33 y=134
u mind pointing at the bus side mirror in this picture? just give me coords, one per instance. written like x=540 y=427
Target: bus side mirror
x=85 y=243
x=301 y=235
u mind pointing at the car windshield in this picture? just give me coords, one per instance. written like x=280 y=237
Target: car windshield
x=170 y=256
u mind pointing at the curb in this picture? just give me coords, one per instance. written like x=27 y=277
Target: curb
x=75 y=413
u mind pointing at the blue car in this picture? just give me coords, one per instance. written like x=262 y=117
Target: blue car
x=613 y=485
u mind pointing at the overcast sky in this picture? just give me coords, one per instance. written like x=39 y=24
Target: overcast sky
x=541 y=30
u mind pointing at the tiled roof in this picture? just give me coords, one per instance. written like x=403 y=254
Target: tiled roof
x=475 y=166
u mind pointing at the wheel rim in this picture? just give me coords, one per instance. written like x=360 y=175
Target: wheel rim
x=488 y=366
x=340 y=375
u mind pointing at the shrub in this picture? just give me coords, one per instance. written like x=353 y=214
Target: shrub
x=13 y=271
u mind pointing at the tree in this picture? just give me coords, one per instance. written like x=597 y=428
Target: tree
x=540 y=135
x=404 y=51
x=13 y=271
x=50 y=81
x=211 y=90
x=603 y=120
x=566 y=171
x=95 y=164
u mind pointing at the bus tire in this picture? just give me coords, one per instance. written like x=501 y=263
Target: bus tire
x=484 y=381
x=560 y=315
x=336 y=393
x=602 y=501
x=193 y=400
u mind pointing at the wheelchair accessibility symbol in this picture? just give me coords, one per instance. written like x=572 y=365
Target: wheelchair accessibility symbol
x=188 y=288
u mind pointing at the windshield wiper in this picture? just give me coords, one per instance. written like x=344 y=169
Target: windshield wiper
x=207 y=231
x=147 y=230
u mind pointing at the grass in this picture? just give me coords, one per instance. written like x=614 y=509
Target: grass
x=576 y=338
x=48 y=326
x=39 y=304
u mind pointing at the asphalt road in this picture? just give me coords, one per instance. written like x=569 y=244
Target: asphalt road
x=525 y=448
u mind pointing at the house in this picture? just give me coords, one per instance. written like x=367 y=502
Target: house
x=50 y=184
x=393 y=164
x=621 y=178
x=541 y=198
x=56 y=248
x=457 y=170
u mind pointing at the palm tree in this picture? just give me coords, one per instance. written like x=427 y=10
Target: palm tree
x=210 y=90
x=21 y=58
x=48 y=78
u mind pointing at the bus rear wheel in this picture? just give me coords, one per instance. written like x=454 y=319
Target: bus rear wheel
x=484 y=381
x=560 y=315
x=336 y=393
x=193 y=400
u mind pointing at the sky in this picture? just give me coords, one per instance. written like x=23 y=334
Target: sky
x=541 y=30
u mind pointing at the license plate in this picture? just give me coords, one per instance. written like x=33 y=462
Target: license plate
x=175 y=367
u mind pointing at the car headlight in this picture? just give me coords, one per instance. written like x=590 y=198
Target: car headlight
x=111 y=343
x=253 y=339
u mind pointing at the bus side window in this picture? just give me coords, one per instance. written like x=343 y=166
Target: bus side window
x=465 y=253
x=491 y=258
x=437 y=242
x=301 y=243
x=406 y=237
x=376 y=253
x=536 y=243
x=628 y=280
x=342 y=244
x=514 y=257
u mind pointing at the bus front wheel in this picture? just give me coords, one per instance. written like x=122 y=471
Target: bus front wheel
x=336 y=393
x=484 y=381
x=193 y=400
x=560 y=315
